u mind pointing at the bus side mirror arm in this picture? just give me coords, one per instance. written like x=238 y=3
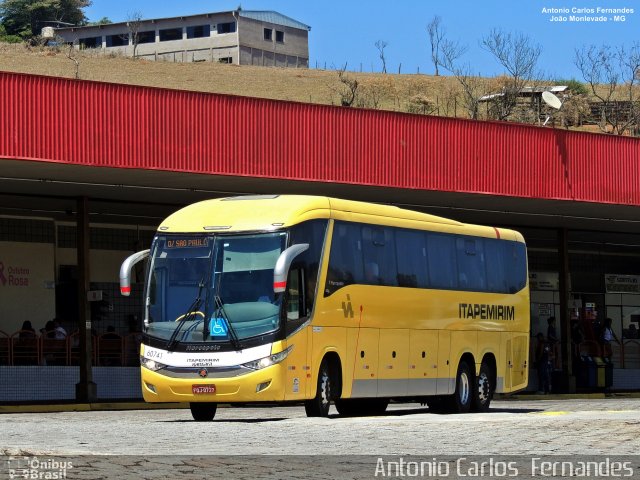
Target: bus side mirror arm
x=125 y=271
x=281 y=269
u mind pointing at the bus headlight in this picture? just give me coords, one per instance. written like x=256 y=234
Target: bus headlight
x=268 y=361
x=151 y=364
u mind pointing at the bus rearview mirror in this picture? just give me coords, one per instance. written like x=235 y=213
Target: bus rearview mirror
x=125 y=270
x=283 y=264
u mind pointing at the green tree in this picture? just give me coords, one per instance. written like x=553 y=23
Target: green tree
x=27 y=17
x=102 y=21
x=576 y=87
x=8 y=38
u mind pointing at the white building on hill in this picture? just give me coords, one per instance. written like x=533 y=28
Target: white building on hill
x=241 y=37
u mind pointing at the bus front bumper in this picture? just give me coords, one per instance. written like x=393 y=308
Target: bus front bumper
x=263 y=385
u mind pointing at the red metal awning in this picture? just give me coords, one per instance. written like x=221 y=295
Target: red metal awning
x=101 y=124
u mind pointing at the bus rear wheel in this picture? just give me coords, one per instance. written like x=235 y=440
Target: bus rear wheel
x=484 y=389
x=319 y=405
x=203 y=411
x=463 y=396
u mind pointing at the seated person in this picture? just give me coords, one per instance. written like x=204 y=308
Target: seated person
x=111 y=334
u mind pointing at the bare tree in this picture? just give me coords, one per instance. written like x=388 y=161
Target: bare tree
x=630 y=66
x=436 y=36
x=519 y=55
x=72 y=55
x=134 y=22
x=473 y=86
x=349 y=88
x=381 y=45
x=612 y=75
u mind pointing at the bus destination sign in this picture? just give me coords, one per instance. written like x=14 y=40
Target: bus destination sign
x=190 y=242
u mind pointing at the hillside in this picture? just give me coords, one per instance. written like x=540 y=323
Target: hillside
x=405 y=93
x=302 y=85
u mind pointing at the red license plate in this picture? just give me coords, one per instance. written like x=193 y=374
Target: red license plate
x=203 y=389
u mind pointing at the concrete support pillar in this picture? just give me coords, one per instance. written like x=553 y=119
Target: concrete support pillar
x=568 y=380
x=85 y=389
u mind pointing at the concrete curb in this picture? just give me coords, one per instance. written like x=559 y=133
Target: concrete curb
x=106 y=406
x=567 y=396
x=89 y=407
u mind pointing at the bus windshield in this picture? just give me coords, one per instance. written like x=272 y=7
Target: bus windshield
x=212 y=288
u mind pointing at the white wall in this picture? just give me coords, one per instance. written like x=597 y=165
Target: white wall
x=27 y=285
x=104 y=264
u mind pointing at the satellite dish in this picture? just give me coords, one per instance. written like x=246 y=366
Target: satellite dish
x=551 y=100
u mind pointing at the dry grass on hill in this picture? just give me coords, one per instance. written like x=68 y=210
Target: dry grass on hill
x=390 y=92
x=405 y=93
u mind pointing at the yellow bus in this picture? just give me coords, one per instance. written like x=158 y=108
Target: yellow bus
x=279 y=298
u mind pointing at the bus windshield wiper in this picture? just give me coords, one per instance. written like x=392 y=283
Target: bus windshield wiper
x=193 y=308
x=233 y=337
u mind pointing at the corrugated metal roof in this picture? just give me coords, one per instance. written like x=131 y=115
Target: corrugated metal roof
x=273 y=17
x=124 y=126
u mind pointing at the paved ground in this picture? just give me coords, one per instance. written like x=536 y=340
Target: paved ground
x=543 y=427
x=511 y=427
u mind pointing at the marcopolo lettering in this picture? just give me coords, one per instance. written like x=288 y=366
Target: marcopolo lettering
x=483 y=311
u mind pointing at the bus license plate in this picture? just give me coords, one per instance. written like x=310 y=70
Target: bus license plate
x=203 y=389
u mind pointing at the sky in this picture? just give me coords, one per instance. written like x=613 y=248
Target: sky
x=345 y=32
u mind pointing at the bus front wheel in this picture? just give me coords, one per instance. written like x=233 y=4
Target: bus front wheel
x=203 y=411
x=319 y=405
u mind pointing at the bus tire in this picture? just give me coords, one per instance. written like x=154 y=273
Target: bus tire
x=203 y=411
x=463 y=396
x=484 y=389
x=319 y=405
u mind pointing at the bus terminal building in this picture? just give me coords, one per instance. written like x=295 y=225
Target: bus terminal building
x=88 y=171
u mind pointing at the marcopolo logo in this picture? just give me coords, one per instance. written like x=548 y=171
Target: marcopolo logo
x=11 y=276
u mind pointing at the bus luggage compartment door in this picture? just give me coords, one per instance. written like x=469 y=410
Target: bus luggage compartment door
x=423 y=362
x=393 y=363
x=365 y=374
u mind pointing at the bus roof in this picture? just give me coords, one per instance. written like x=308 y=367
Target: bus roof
x=270 y=212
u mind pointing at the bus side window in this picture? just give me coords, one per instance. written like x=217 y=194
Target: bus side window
x=472 y=274
x=345 y=260
x=442 y=263
x=313 y=233
x=515 y=255
x=495 y=265
x=379 y=251
x=295 y=294
x=411 y=252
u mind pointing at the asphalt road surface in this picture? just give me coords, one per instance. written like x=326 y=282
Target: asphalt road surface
x=541 y=427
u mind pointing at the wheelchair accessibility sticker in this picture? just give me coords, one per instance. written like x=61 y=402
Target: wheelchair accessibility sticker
x=218 y=327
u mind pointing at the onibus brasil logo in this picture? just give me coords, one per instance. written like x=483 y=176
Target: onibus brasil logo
x=38 y=468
